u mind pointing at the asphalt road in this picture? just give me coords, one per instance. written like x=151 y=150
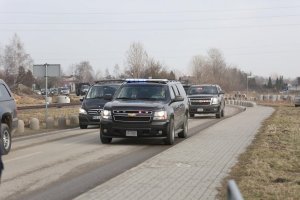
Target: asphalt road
x=65 y=164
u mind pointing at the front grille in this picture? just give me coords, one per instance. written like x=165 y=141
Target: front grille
x=95 y=111
x=132 y=115
x=195 y=102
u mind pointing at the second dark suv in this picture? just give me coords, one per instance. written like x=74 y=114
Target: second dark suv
x=206 y=99
x=93 y=102
x=146 y=108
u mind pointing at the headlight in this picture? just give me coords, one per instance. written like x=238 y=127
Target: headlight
x=214 y=100
x=160 y=115
x=106 y=114
x=82 y=111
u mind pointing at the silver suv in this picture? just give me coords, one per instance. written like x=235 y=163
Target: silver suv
x=206 y=99
x=8 y=114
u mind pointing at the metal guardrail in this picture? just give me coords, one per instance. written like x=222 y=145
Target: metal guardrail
x=52 y=105
x=233 y=192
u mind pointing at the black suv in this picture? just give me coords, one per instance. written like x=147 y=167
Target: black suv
x=93 y=102
x=206 y=99
x=8 y=114
x=148 y=108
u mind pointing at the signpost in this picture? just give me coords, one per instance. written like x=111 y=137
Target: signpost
x=248 y=77
x=46 y=70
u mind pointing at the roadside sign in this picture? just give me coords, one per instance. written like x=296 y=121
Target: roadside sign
x=49 y=70
x=46 y=70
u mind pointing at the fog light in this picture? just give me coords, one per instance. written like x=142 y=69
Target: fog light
x=104 y=130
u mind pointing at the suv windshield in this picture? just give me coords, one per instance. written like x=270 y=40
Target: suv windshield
x=143 y=92
x=98 y=91
x=202 y=90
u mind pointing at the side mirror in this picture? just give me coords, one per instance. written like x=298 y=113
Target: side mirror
x=81 y=99
x=221 y=92
x=178 y=98
x=108 y=97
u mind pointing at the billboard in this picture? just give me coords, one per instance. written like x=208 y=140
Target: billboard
x=49 y=70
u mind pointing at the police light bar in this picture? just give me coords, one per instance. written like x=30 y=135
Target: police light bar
x=146 y=80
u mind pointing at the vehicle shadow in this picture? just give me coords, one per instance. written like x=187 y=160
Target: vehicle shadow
x=212 y=116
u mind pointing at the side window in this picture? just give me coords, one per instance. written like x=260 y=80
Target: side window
x=219 y=89
x=172 y=94
x=175 y=89
x=4 y=94
x=181 y=90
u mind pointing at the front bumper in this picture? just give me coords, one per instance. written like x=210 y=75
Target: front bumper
x=155 y=129
x=204 y=109
x=89 y=119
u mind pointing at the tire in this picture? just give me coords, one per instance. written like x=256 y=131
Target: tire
x=6 y=139
x=218 y=115
x=222 y=113
x=171 y=134
x=183 y=133
x=105 y=140
x=83 y=126
x=192 y=115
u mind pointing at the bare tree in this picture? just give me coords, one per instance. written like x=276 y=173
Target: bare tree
x=84 y=72
x=199 y=64
x=136 y=60
x=153 y=69
x=116 y=72
x=107 y=74
x=14 y=57
x=217 y=65
x=98 y=75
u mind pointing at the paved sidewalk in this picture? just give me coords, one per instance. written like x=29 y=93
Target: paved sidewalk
x=192 y=169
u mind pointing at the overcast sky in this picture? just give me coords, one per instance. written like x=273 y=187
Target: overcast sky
x=259 y=36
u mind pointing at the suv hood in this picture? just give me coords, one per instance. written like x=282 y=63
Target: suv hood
x=202 y=96
x=134 y=104
x=93 y=103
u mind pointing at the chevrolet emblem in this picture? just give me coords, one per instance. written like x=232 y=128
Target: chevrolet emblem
x=131 y=114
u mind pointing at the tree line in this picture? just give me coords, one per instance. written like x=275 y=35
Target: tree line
x=16 y=67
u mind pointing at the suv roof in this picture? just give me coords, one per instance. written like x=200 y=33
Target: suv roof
x=109 y=81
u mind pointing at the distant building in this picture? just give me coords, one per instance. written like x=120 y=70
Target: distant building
x=69 y=81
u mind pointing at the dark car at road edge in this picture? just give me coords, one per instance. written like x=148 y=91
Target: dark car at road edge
x=8 y=114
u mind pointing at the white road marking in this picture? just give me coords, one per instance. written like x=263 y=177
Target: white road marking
x=22 y=157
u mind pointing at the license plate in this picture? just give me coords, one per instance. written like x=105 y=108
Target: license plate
x=199 y=109
x=96 y=117
x=131 y=133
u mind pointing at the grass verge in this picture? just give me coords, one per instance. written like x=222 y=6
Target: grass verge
x=270 y=168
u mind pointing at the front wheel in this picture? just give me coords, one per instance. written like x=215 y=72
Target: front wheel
x=171 y=133
x=183 y=133
x=83 y=126
x=219 y=114
x=6 y=138
x=222 y=113
x=105 y=140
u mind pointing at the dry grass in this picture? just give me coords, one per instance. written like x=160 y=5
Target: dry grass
x=270 y=168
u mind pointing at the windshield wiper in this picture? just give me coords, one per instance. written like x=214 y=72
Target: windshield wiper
x=98 y=97
x=146 y=98
x=124 y=98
